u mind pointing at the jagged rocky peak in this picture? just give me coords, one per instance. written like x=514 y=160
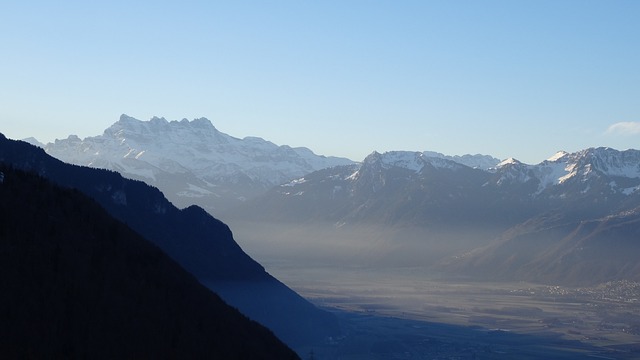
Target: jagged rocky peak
x=124 y=118
x=372 y=163
x=202 y=123
x=70 y=141
x=602 y=160
x=124 y=124
x=614 y=162
x=71 y=138
x=156 y=123
x=159 y=129
x=372 y=158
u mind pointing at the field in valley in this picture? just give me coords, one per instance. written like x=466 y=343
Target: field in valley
x=406 y=314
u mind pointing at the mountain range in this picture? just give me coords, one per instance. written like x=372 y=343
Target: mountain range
x=201 y=244
x=190 y=161
x=453 y=214
x=607 y=178
x=550 y=222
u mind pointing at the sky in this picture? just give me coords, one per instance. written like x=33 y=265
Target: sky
x=519 y=79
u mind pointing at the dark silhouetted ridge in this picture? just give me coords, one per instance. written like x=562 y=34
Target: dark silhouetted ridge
x=76 y=283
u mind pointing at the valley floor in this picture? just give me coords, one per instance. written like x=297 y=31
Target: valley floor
x=407 y=314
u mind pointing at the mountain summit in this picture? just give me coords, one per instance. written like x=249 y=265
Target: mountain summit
x=191 y=161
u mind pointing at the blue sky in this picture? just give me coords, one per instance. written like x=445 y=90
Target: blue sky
x=506 y=78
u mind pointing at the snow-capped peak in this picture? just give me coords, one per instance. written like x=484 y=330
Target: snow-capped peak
x=563 y=167
x=144 y=149
x=509 y=161
x=557 y=156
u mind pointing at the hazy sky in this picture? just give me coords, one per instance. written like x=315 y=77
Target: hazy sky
x=506 y=78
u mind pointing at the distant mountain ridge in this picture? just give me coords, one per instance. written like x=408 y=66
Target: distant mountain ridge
x=579 y=167
x=554 y=249
x=444 y=208
x=478 y=161
x=191 y=161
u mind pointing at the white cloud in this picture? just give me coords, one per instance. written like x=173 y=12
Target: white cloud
x=624 y=128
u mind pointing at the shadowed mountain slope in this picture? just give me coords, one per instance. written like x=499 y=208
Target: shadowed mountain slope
x=77 y=283
x=555 y=250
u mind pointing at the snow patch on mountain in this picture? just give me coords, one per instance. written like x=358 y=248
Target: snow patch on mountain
x=615 y=163
x=557 y=156
x=413 y=161
x=477 y=161
x=554 y=172
x=631 y=190
x=295 y=182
